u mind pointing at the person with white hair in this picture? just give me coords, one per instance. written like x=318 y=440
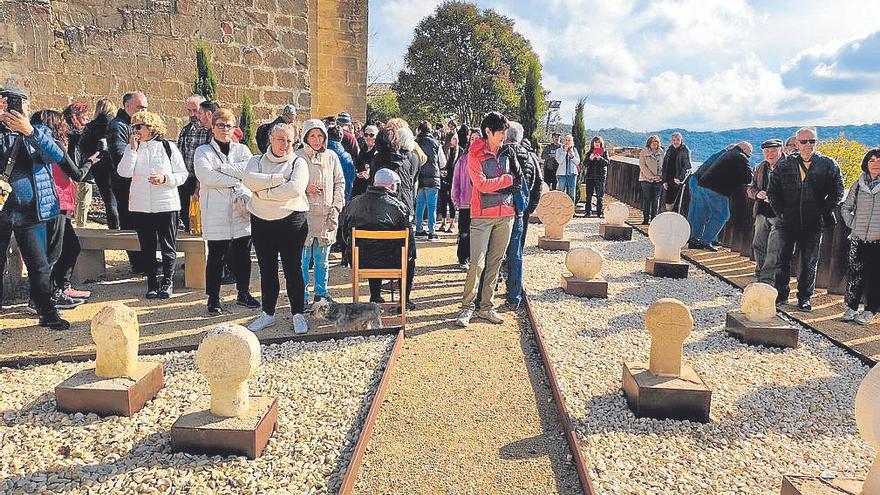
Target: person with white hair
x=287 y=116
x=569 y=165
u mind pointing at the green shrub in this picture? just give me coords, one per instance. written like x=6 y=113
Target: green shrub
x=848 y=154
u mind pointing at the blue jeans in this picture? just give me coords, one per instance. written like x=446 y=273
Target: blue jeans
x=708 y=215
x=32 y=243
x=651 y=192
x=426 y=197
x=514 y=263
x=322 y=268
x=567 y=184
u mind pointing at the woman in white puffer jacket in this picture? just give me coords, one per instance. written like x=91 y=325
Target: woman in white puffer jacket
x=156 y=168
x=226 y=224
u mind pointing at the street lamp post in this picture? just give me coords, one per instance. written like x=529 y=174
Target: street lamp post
x=552 y=106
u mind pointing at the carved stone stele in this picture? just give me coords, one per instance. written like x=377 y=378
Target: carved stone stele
x=116 y=332
x=616 y=214
x=668 y=232
x=759 y=302
x=556 y=209
x=669 y=321
x=227 y=356
x=584 y=263
x=868 y=422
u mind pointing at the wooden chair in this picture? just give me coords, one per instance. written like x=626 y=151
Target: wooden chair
x=358 y=273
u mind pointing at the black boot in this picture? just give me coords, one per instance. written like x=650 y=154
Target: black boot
x=214 y=307
x=53 y=321
x=166 y=289
x=152 y=287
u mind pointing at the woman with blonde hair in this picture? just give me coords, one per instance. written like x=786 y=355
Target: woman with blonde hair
x=569 y=165
x=650 y=180
x=155 y=167
x=226 y=225
x=94 y=140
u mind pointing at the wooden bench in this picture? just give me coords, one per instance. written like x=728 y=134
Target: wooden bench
x=91 y=263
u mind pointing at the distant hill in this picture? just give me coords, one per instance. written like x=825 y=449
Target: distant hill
x=704 y=143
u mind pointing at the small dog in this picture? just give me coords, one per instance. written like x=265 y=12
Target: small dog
x=349 y=316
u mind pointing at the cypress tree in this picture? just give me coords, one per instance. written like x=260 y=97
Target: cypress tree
x=532 y=104
x=206 y=78
x=579 y=134
x=247 y=122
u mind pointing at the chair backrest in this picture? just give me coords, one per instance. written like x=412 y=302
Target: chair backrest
x=377 y=234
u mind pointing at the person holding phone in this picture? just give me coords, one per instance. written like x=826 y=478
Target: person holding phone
x=569 y=165
x=94 y=140
x=155 y=168
x=27 y=153
x=597 y=171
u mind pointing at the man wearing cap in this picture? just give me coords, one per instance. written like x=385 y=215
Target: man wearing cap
x=765 y=262
x=288 y=116
x=548 y=156
x=380 y=209
x=27 y=153
x=194 y=134
x=805 y=189
x=349 y=142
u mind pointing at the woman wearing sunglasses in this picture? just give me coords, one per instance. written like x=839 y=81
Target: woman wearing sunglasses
x=155 y=167
x=226 y=224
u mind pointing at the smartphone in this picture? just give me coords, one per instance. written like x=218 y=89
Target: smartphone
x=13 y=102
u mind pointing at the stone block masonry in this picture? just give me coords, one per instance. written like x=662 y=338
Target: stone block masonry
x=306 y=52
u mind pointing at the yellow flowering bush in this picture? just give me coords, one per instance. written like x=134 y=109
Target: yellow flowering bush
x=848 y=154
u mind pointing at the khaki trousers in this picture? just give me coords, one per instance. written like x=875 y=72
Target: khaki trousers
x=489 y=239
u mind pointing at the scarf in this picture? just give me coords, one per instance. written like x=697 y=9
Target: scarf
x=270 y=155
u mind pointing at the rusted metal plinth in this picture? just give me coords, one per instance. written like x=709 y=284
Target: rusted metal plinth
x=666 y=269
x=596 y=287
x=554 y=244
x=811 y=485
x=615 y=232
x=124 y=396
x=775 y=333
x=200 y=432
x=662 y=397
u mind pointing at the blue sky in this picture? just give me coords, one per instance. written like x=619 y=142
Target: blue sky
x=696 y=64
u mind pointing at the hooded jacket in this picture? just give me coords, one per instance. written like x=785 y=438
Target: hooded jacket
x=377 y=209
x=491 y=179
x=805 y=204
x=33 y=194
x=326 y=173
x=429 y=173
x=220 y=182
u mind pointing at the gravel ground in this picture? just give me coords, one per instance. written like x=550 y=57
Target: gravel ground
x=774 y=411
x=324 y=390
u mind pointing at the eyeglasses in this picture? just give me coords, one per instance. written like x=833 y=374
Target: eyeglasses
x=224 y=127
x=138 y=127
x=805 y=141
x=369 y=135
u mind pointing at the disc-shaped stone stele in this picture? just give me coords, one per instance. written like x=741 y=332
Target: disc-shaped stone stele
x=759 y=302
x=868 y=423
x=669 y=321
x=584 y=263
x=616 y=214
x=555 y=209
x=116 y=332
x=668 y=232
x=227 y=356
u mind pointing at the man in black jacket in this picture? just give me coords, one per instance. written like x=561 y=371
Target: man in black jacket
x=548 y=156
x=288 y=116
x=380 y=209
x=804 y=190
x=118 y=138
x=718 y=182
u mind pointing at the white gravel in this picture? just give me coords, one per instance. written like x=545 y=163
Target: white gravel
x=324 y=390
x=774 y=411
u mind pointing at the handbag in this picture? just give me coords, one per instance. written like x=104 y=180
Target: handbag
x=5 y=185
x=195 y=216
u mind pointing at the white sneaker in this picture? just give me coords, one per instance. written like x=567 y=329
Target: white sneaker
x=262 y=322
x=491 y=316
x=464 y=317
x=300 y=326
x=849 y=314
x=864 y=318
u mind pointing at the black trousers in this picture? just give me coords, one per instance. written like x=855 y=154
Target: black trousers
x=863 y=275
x=284 y=237
x=62 y=270
x=376 y=283
x=808 y=242
x=102 y=175
x=597 y=187
x=157 y=230
x=464 y=235
x=127 y=220
x=185 y=192
x=31 y=239
x=236 y=253
x=445 y=206
x=550 y=178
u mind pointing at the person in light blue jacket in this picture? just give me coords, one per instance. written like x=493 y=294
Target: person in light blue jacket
x=569 y=164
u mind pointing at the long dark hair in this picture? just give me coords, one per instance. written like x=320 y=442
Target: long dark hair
x=387 y=141
x=54 y=121
x=593 y=142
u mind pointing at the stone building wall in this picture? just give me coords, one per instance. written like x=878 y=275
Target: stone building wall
x=307 y=52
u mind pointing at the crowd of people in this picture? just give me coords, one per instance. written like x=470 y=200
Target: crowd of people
x=314 y=181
